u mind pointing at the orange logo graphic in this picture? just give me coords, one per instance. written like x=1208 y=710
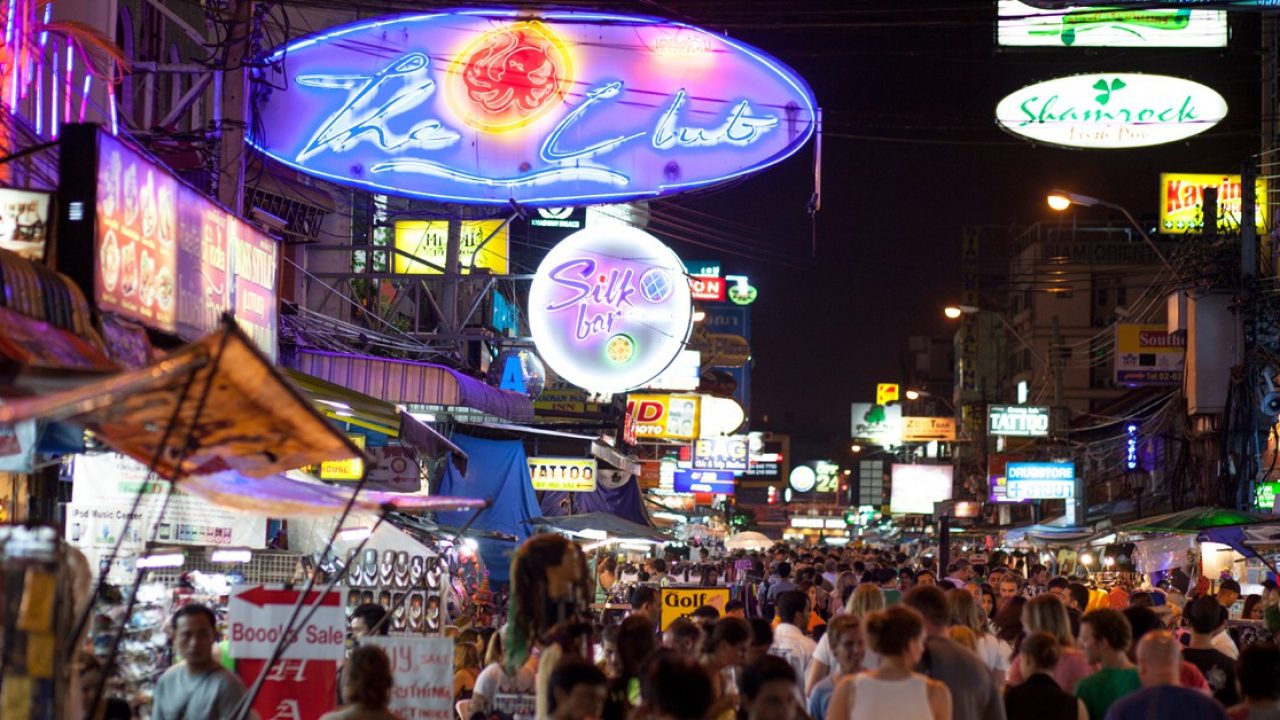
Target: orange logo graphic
x=509 y=77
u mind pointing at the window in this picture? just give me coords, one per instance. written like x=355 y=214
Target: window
x=1122 y=296
x=1103 y=297
x=871 y=482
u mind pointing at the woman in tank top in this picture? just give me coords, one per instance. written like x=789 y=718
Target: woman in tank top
x=894 y=690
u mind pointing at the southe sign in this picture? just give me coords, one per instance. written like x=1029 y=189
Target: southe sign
x=1018 y=421
x=1111 y=110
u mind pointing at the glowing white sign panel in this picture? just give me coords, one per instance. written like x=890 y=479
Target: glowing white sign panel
x=1111 y=110
x=610 y=308
x=1023 y=24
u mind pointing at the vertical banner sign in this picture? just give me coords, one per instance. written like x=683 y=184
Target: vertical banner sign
x=422 y=669
x=681 y=602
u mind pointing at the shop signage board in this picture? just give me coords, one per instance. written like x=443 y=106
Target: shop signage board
x=257 y=616
x=664 y=417
x=917 y=487
x=707 y=289
x=24 y=222
x=721 y=453
x=569 y=474
x=928 y=429
x=485 y=244
x=174 y=260
x=877 y=424
x=716 y=482
x=703 y=268
x=720 y=416
x=999 y=482
x=1149 y=355
x=680 y=375
x=1264 y=497
x=301 y=689
x=1182 y=202
x=552 y=109
x=422 y=670
x=559 y=218
x=349 y=469
x=1033 y=24
x=681 y=602
x=1040 y=481
x=1111 y=110
x=886 y=393
x=1018 y=420
x=803 y=478
x=609 y=308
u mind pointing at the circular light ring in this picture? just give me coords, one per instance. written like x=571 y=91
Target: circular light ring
x=803 y=478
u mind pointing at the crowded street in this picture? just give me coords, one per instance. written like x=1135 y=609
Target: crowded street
x=640 y=360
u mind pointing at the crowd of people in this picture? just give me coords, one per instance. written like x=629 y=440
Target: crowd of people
x=847 y=634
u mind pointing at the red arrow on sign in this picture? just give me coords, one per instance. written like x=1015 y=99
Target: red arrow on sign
x=261 y=596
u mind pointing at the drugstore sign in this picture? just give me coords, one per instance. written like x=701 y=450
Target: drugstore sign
x=1040 y=481
x=1111 y=110
x=553 y=109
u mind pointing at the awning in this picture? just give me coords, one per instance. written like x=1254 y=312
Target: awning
x=228 y=405
x=37 y=357
x=296 y=495
x=402 y=382
x=613 y=525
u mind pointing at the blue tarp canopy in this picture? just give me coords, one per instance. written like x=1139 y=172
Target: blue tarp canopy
x=624 y=502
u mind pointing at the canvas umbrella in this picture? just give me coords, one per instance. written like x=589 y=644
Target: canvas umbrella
x=1195 y=520
x=748 y=541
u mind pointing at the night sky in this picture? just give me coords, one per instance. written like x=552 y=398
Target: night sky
x=911 y=154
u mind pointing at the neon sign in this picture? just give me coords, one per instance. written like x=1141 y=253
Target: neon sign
x=565 y=109
x=610 y=308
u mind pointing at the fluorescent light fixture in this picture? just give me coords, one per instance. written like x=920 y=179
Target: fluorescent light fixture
x=592 y=534
x=230 y=556
x=601 y=544
x=344 y=413
x=836 y=540
x=674 y=517
x=638 y=547
x=165 y=560
x=354 y=534
x=424 y=417
x=334 y=404
x=1086 y=558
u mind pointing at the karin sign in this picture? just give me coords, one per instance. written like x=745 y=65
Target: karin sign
x=609 y=308
x=558 y=109
x=1111 y=110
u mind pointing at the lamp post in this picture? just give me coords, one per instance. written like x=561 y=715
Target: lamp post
x=1060 y=200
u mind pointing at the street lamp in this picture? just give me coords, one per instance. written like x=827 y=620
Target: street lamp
x=918 y=394
x=1060 y=200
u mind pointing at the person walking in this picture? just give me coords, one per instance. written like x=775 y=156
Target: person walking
x=1039 y=696
x=1047 y=613
x=1259 y=673
x=198 y=688
x=1208 y=619
x=866 y=599
x=894 y=689
x=366 y=685
x=845 y=636
x=965 y=613
x=1105 y=637
x=1159 y=661
x=974 y=695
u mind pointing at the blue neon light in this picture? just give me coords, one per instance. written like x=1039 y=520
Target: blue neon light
x=375 y=105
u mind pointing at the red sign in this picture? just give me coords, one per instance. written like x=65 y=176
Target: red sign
x=293 y=689
x=711 y=289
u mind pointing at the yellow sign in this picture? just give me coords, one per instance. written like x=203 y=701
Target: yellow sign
x=427 y=240
x=925 y=429
x=349 y=469
x=674 y=417
x=681 y=602
x=1182 y=202
x=563 y=473
x=886 y=393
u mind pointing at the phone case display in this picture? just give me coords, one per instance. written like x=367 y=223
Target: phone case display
x=412 y=585
x=35 y=614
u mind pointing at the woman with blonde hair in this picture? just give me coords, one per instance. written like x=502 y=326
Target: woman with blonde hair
x=466 y=668
x=866 y=599
x=965 y=613
x=1046 y=613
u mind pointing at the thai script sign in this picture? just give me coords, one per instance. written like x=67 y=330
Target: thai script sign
x=555 y=109
x=1040 y=480
x=1111 y=110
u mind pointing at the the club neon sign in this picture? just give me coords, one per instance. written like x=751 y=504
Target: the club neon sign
x=569 y=108
x=610 y=308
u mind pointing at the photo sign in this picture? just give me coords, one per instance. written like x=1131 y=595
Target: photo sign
x=609 y=308
x=24 y=222
x=174 y=260
x=1111 y=110
x=546 y=109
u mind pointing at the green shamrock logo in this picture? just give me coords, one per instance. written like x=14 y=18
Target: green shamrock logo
x=1106 y=89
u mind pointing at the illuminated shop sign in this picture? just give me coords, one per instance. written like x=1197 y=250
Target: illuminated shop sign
x=670 y=417
x=1111 y=110
x=719 y=482
x=556 y=109
x=1031 y=24
x=708 y=289
x=1149 y=355
x=609 y=308
x=563 y=473
x=721 y=453
x=1182 y=202
x=483 y=244
x=1018 y=421
x=1040 y=481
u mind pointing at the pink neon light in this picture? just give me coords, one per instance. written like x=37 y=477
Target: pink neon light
x=53 y=89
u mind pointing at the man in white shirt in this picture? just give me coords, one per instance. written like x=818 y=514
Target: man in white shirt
x=789 y=640
x=197 y=688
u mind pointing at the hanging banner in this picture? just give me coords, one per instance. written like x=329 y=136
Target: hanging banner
x=293 y=689
x=422 y=670
x=257 y=616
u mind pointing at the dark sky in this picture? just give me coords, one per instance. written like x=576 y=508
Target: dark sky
x=911 y=154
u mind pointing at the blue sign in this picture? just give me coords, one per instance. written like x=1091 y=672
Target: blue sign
x=732 y=320
x=556 y=109
x=719 y=482
x=1040 y=481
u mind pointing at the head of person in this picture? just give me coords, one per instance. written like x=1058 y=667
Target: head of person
x=1047 y=613
x=761 y=639
x=367 y=679
x=636 y=642
x=793 y=608
x=1159 y=659
x=995 y=575
x=195 y=630
x=608 y=648
x=963 y=636
x=368 y=619
x=1009 y=588
x=465 y=657
x=1008 y=620
x=784 y=570
x=1206 y=615
x=1038 y=574
x=1079 y=596
x=844 y=635
x=704 y=615
x=1103 y=632
x=735 y=608
x=925 y=577
x=1228 y=593
x=578 y=689
x=866 y=598
x=960 y=569
x=769 y=690
x=965 y=611
x=988 y=600
x=676 y=687
x=683 y=636
x=607 y=571
x=1259 y=673
x=1039 y=653
x=728 y=641
x=644 y=601
x=931 y=603
x=1060 y=586
x=897 y=631
x=657 y=566
x=1253 y=607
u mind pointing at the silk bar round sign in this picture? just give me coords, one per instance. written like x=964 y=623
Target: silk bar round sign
x=1111 y=111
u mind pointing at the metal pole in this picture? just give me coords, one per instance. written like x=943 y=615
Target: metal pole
x=1249 y=330
x=452 y=277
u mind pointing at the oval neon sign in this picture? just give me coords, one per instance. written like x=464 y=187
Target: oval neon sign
x=1111 y=110
x=568 y=108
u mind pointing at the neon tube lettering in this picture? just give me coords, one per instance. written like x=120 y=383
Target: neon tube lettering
x=741 y=128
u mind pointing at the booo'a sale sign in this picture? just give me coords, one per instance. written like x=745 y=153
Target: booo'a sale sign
x=559 y=109
x=610 y=308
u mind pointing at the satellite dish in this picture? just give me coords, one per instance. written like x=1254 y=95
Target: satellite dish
x=613 y=479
